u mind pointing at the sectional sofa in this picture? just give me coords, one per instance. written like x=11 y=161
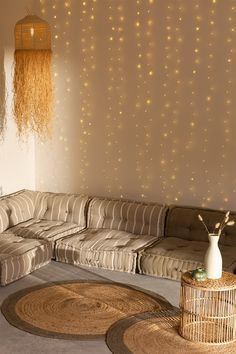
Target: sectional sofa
x=121 y=235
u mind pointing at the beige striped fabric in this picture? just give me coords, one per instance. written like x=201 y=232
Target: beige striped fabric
x=77 y=209
x=103 y=248
x=137 y=218
x=171 y=256
x=40 y=205
x=24 y=205
x=21 y=206
x=44 y=229
x=19 y=256
x=4 y=218
x=63 y=207
x=56 y=207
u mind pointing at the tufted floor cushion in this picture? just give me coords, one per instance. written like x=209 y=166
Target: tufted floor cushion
x=44 y=229
x=20 y=256
x=171 y=256
x=103 y=248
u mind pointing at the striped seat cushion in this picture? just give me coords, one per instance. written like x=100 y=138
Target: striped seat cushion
x=137 y=218
x=19 y=256
x=103 y=248
x=44 y=229
x=172 y=256
x=62 y=207
x=21 y=206
x=4 y=218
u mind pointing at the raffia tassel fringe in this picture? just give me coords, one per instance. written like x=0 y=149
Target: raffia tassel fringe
x=33 y=92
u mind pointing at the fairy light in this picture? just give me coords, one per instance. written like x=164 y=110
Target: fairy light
x=122 y=96
x=193 y=124
x=177 y=13
x=116 y=99
x=42 y=6
x=166 y=105
x=210 y=21
x=66 y=98
x=228 y=118
x=88 y=67
x=140 y=104
x=145 y=100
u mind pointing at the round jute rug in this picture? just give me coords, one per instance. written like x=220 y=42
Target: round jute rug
x=157 y=333
x=77 y=309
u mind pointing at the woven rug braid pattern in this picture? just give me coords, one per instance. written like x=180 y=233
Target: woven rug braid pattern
x=157 y=333
x=77 y=309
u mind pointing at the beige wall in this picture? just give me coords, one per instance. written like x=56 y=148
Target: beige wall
x=17 y=165
x=145 y=100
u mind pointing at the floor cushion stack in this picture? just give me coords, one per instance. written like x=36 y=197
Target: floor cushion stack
x=30 y=223
x=20 y=256
x=116 y=231
x=185 y=244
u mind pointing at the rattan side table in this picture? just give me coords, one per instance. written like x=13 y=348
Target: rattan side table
x=208 y=309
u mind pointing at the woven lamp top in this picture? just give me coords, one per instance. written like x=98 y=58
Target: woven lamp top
x=32 y=33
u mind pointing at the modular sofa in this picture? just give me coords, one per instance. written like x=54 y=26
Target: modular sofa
x=122 y=235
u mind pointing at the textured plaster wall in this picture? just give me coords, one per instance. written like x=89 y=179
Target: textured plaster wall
x=17 y=164
x=145 y=100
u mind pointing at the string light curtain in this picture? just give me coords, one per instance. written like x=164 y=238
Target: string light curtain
x=33 y=88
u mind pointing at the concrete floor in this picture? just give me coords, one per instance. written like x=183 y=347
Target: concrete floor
x=15 y=341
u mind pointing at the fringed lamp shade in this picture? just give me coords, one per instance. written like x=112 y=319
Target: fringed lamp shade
x=33 y=89
x=32 y=33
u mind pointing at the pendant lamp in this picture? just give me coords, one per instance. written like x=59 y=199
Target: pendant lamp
x=33 y=88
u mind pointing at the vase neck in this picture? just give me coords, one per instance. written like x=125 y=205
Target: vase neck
x=213 y=238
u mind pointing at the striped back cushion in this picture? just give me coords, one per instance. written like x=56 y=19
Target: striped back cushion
x=77 y=209
x=56 y=207
x=137 y=218
x=21 y=206
x=40 y=205
x=182 y=222
x=65 y=207
x=4 y=219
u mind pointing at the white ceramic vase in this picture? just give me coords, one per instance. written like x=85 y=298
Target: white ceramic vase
x=213 y=259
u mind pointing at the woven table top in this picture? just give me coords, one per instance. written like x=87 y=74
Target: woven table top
x=226 y=282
